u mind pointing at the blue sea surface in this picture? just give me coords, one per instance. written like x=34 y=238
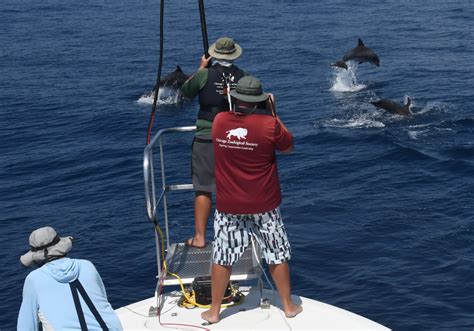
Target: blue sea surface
x=378 y=207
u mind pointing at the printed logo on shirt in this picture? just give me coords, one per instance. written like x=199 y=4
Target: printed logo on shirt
x=239 y=133
x=226 y=80
x=236 y=139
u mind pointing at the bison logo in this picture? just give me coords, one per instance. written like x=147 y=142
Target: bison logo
x=239 y=133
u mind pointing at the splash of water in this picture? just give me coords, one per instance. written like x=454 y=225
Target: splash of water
x=435 y=106
x=346 y=80
x=166 y=96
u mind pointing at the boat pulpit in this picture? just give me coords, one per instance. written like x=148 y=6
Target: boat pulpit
x=184 y=261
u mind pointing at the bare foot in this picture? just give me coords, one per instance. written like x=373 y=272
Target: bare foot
x=210 y=317
x=293 y=311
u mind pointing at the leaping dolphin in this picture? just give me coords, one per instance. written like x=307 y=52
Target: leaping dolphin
x=393 y=106
x=170 y=87
x=339 y=64
x=362 y=54
x=174 y=79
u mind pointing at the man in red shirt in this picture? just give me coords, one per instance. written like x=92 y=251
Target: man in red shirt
x=248 y=191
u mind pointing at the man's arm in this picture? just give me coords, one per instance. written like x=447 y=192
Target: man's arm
x=287 y=133
x=196 y=82
x=283 y=136
x=28 y=316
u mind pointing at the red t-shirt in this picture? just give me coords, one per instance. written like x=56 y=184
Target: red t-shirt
x=245 y=162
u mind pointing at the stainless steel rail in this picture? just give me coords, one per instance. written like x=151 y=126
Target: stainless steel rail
x=150 y=189
x=181 y=259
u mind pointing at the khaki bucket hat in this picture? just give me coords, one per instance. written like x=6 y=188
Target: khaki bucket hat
x=225 y=49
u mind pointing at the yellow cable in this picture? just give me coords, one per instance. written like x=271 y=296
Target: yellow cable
x=190 y=300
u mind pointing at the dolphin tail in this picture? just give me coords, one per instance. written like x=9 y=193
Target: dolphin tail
x=339 y=64
x=360 y=43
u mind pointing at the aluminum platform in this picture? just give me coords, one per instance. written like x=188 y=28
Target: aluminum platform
x=191 y=262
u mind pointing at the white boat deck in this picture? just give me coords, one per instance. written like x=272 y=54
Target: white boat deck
x=246 y=316
x=190 y=263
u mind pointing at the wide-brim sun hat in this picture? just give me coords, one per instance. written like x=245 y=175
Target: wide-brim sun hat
x=225 y=49
x=249 y=89
x=45 y=245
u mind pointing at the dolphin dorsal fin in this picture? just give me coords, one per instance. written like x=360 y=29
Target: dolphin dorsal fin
x=360 y=43
x=407 y=105
x=179 y=68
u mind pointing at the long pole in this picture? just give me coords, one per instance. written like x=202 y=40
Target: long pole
x=205 y=40
x=158 y=75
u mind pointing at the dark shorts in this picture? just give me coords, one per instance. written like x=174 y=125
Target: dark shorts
x=202 y=165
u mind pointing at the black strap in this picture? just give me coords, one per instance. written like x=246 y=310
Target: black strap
x=76 y=288
x=52 y=243
x=77 y=303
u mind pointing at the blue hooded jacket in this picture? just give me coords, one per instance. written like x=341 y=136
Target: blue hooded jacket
x=47 y=297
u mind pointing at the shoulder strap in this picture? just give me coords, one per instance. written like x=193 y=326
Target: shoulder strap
x=76 y=287
x=77 y=303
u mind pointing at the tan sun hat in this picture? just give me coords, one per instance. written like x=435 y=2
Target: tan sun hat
x=45 y=245
x=225 y=49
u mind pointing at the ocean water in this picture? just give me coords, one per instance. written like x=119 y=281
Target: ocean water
x=378 y=207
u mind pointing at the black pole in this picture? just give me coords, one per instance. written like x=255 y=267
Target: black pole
x=205 y=40
x=158 y=75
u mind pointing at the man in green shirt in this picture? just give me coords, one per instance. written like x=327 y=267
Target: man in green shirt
x=211 y=84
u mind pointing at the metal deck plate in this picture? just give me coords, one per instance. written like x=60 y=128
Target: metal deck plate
x=190 y=262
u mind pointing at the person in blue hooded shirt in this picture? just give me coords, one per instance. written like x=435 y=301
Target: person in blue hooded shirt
x=63 y=293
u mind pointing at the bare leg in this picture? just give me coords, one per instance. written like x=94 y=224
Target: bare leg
x=220 y=277
x=202 y=210
x=281 y=276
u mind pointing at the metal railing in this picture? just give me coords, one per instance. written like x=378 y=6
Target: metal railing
x=152 y=202
x=150 y=189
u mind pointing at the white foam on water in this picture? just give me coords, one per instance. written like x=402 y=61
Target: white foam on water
x=434 y=106
x=361 y=121
x=414 y=135
x=166 y=96
x=346 y=80
x=418 y=126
